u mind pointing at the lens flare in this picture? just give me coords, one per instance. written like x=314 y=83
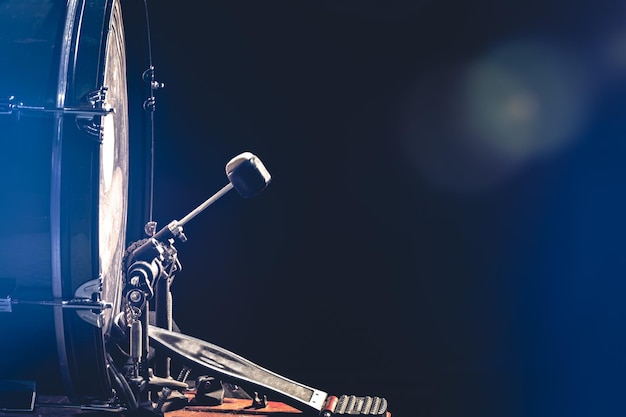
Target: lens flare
x=470 y=127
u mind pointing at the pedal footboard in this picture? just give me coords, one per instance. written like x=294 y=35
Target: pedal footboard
x=233 y=368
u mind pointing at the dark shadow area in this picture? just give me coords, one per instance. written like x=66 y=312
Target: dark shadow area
x=445 y=223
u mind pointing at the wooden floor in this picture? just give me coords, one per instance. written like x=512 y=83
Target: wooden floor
x=231 y=407
x=237 y=407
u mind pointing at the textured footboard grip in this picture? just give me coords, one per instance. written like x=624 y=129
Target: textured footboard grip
x=329 y=407
x=361 y=406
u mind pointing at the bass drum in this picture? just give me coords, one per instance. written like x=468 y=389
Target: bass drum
x=67 y=166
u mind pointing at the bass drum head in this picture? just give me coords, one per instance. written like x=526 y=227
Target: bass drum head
x=114 y=170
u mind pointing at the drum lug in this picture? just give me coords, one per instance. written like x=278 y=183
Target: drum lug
x=91 y=127
x=6 y=304
x=96 y=98
x=9 y=105
x=92 y=124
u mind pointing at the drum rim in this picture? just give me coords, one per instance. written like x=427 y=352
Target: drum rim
x=55 y=193
x=69 y=328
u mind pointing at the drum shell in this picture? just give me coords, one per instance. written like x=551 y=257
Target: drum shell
x=33 y=41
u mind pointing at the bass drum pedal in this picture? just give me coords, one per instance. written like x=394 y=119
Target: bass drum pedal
x=235 y=369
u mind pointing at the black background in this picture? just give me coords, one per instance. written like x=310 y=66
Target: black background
x=391 y=255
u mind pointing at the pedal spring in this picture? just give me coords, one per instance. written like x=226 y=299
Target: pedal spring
x=184 y=374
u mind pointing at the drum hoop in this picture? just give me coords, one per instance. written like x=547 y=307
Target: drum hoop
x=55 y=192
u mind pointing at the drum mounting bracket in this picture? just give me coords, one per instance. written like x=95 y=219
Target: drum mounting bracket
x=148 y=77
x=88 y=114
x=86 y=302
x=11 y=106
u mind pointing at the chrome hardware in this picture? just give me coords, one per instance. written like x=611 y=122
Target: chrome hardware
x=70 y=304
x=87 y=303
x=89 y=293
x=91 y=124
x=12 y=106
x=148 y=76
x=5 y=305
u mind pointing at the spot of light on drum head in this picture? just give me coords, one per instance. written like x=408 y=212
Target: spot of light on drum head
x=107 y=149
